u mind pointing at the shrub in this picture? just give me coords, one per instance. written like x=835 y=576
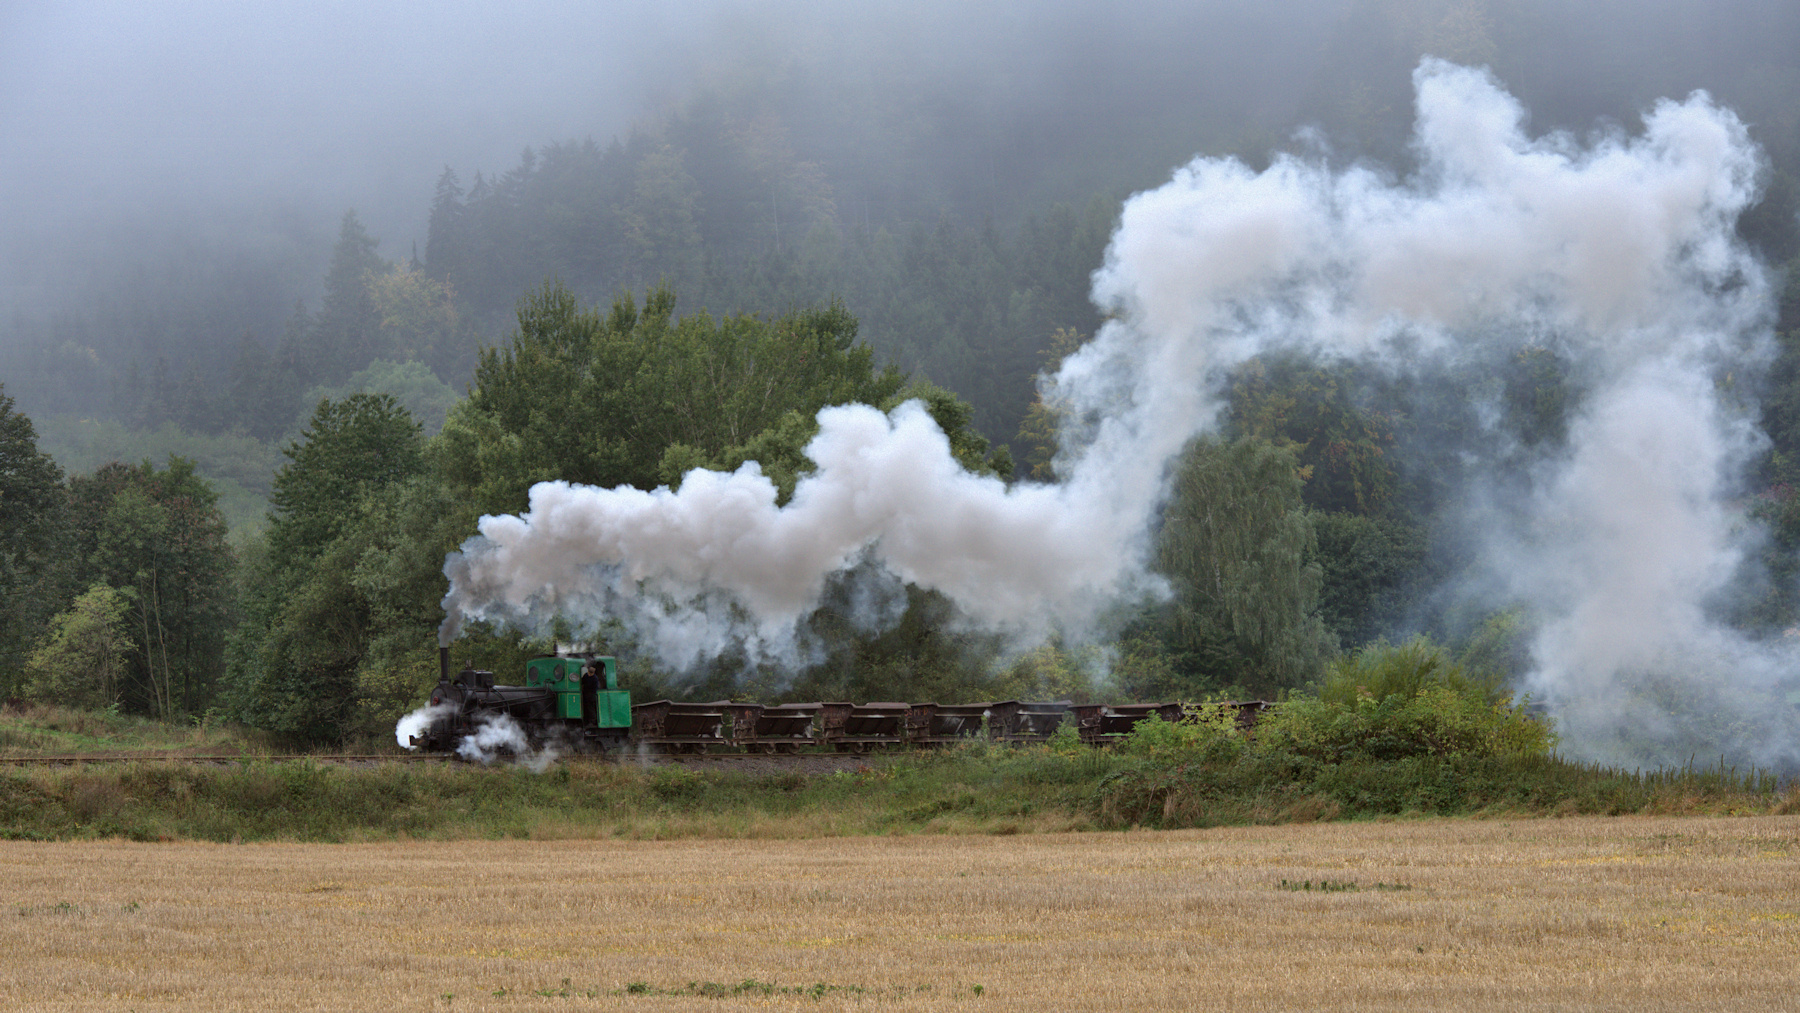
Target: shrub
x=1387 y=703
x=1207 y=736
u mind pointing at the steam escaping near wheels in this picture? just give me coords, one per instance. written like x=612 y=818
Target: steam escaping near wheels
x=1618 y=252
x=496 y=737
x=411 y=730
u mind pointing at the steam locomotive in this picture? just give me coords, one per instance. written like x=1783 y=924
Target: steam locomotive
x=573 y=702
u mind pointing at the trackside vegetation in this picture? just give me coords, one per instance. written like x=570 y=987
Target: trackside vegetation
x=968 y=790
x=1391 y=732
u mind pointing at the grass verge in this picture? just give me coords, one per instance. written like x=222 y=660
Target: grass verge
x=970 y=790
x=28 y=730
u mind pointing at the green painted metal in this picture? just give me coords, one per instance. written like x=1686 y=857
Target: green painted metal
x=614 y=707
x=563 y=676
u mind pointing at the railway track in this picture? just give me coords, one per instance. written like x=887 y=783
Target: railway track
x=808 y=763
x=69 y=759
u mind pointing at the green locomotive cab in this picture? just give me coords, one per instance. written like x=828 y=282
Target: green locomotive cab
x=586 y=687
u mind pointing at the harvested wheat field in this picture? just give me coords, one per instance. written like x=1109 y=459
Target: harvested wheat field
x=1591 y=913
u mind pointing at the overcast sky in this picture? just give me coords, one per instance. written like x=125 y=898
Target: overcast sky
x=104 y=105
x=126 y=124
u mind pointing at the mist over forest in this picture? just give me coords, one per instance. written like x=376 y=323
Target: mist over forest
x=317 y=290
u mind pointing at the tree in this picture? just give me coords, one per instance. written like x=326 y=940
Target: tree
x=306 y=625
x=599 y=399
x=28 y=488
x=1040 y=432
x=426 y=398
x=1368 y=567
x=158 y=537
x=420 y=321
x=346 y=333
x=80 y=661
x=1342 y=447
x=31 y=501
x=444 y=229
x=1235 y=544
x=660 y=225
x=349 y=448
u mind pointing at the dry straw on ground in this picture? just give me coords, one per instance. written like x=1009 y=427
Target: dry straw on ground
x=1626 y=913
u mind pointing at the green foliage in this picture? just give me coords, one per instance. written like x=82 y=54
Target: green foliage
x=627 y=397
x=1392 y=702
x=1050 y=671
x=1369 y=568
x=1539 y=396
x=1142 y=668
x=962 y=790
x=327 y=574
x=1342 y=449
x=1500 y=648
x=1236 y=543
x=350 y=448
x=30 y=510
x=410 y=383
x=158 y=537
x=1209 y=734
x=346 y=333
x=1381 y=670
x=661 y=235
x=420 y=323
x=1040 y=430
x=28 y=487
x=80 y=661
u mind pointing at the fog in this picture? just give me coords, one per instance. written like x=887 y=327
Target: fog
x=245 y=128
x=241 y=133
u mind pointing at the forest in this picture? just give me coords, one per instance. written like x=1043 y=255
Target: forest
x=229 y=495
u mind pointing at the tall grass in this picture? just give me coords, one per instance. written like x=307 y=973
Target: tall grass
x=974 y=789
x=48 y=729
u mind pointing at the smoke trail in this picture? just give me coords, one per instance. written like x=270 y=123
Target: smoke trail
x=1619 y=252
x=718 y=564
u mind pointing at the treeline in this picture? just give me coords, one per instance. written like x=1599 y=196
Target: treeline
x=374 y=314
x=116 y=588
x=1305 y=529
x=324 y=628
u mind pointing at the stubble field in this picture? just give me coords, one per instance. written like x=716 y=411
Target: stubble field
x=1586 y=913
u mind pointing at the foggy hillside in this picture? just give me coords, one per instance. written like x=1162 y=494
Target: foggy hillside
x=176 y=173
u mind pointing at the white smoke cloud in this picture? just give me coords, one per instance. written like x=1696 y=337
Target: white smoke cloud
x=718 y=564
x=1619 y=251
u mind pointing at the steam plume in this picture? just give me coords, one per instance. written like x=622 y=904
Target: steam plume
x=414 y=724
x=1620 y=252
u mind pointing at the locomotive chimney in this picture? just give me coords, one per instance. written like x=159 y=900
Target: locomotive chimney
x=443 y=664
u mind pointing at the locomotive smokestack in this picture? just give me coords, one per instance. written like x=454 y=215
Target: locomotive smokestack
x=444 y=664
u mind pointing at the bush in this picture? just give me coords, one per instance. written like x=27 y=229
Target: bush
x=1388 y=703
x=81 y=659
x=1210 y=736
